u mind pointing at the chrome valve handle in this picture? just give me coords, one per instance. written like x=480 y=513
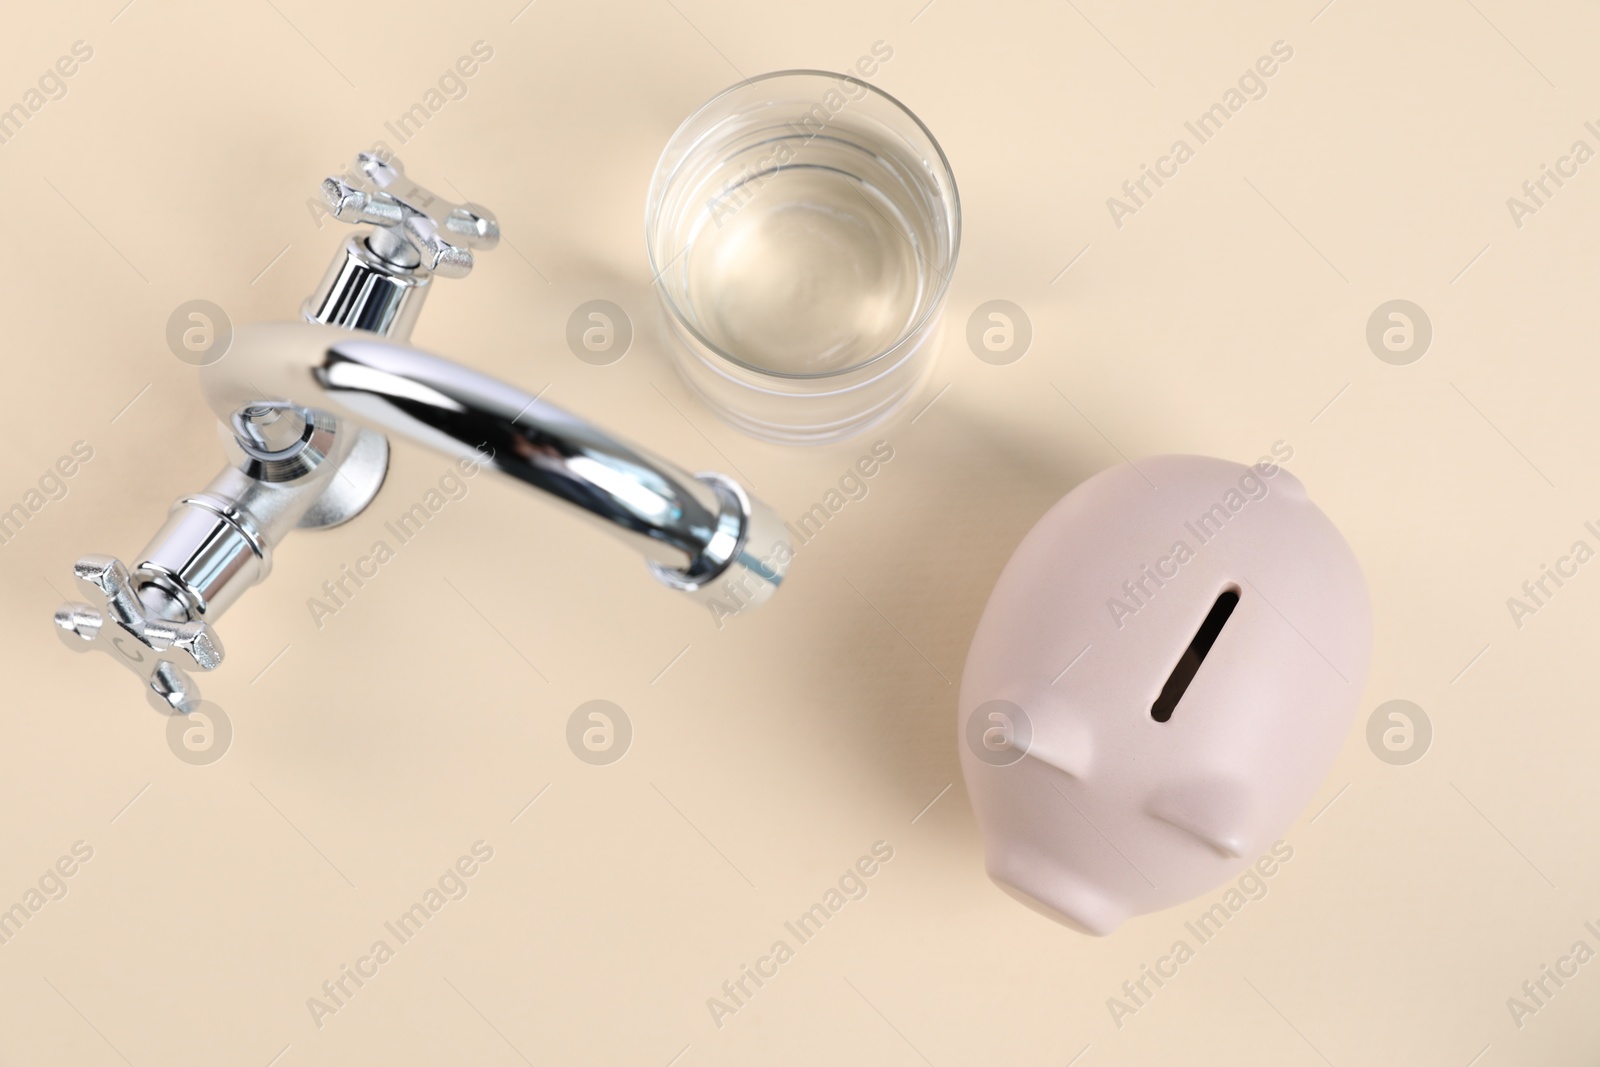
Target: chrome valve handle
x=380 y=277
x=129 y=625
x=415 y=229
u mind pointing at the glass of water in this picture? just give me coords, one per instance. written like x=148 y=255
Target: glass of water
x=802 y=229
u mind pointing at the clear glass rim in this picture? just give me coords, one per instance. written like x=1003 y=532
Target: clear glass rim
x=659 y=181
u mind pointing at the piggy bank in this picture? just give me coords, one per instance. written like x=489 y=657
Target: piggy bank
x=1160 y=681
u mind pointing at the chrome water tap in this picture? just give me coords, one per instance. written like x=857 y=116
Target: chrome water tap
x=305 y=407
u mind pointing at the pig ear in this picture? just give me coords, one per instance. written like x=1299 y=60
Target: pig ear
x=1065 y=742
x=1216 y=811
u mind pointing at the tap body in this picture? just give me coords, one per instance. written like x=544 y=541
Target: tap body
x=305 y=409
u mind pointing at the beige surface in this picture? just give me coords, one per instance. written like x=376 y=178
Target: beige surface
x=370 y=755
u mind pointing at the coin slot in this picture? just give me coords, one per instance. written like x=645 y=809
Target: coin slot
x=1189 y=663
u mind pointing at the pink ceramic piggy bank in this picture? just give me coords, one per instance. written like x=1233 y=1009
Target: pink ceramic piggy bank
x=1159 y=684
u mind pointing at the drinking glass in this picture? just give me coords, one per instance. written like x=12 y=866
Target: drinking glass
x=802 y=229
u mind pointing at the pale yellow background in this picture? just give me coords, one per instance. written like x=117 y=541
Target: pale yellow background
x=1223 y=317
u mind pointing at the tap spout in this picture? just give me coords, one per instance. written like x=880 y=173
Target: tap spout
x=701 y=533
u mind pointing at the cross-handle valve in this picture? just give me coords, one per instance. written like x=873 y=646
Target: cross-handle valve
x=291 y=468
x=128 y=625
x=415 y=229
x=378 y=280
